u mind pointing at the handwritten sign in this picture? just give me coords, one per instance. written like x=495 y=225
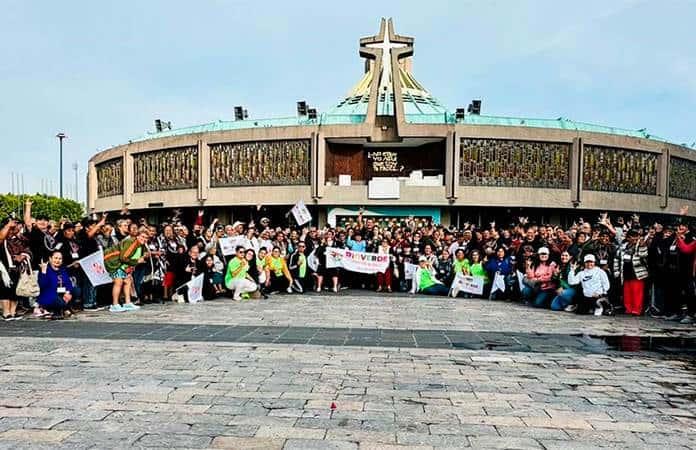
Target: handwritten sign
x=384 y=162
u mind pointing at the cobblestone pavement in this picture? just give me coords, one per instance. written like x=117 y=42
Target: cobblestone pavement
x=79 y=392
x=394 y=311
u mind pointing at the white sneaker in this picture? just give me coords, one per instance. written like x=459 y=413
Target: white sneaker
x=571 y=308
x=116 y=308
x=289 y=290
x=335 y=289
x=455 y=291
x=237 y=299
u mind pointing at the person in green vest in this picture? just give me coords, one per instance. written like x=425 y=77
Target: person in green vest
x=236 y=279
x=425 y=282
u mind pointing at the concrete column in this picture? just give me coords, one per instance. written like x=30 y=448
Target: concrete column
x=456 y=157
x=92 y=186
x=203 y=171
x=313 y=166
x=575 y=169
x=128 y=185
x=321 y=165
x=663 y=177
x=449 y=165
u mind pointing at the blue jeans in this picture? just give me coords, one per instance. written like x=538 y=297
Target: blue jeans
x=564 y=299
x=436 y=289
x=89 y=293
x=541 y=299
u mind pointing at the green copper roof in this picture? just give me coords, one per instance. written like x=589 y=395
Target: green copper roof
x=414 y=117
x=220 y=125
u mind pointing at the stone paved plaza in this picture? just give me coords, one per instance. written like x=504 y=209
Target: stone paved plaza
x=265 y=374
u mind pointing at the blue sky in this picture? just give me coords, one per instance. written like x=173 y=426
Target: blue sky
x=102 y=71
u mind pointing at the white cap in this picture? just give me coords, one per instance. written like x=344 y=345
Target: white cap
x=589 y=258
x=237 y=223
x=543 y=251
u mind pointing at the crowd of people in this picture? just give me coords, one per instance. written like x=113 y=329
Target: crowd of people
x=588 y=268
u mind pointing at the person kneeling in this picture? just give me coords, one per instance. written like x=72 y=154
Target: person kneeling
x=56 y=287
x=236 y=277
x=595 y=286
x=424 y=280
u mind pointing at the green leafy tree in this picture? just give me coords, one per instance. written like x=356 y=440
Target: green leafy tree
x=55 y=208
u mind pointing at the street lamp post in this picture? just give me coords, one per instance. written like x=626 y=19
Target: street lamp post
x=60 y=137
x=74 y=167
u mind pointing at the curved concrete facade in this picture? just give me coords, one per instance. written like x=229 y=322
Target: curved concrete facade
x=507 y=165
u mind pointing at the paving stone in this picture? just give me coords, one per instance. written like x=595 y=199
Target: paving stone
x=241 y=443
x=35 y=436
x=174 y=440
x=360 y=435
x=316 y=444
x=504 y=443
x=561 y=423
x=380 y=446
x=290 y=432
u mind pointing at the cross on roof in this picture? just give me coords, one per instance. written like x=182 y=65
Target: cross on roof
x=383 y=44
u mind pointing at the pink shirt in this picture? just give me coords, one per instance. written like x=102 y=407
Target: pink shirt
x=544 y=273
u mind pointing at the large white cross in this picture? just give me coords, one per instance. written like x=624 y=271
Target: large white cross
x=386 y=78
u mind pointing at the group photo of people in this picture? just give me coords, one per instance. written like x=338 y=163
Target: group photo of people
x=608 y=266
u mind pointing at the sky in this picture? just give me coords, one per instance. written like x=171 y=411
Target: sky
x=101 y=72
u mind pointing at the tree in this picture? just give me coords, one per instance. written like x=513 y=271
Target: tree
x=55 y=208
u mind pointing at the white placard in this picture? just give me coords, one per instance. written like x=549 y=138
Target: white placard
x=409 y=270
x=362 y=262
x=195 y=289
x=344 y=180
x=498 y=283
x=383 y=188
x=301 y=213
x=469 y=284
x=229 y=244
x=94 y=268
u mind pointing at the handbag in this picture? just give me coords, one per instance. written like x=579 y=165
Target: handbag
x=28 y=286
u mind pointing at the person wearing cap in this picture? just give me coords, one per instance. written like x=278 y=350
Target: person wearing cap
x=425 y=282
x=630 y=266
x=595 y=285
x=238 y=228
x=540 y=285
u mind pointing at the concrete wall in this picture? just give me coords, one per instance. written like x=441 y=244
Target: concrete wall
x=452 y=194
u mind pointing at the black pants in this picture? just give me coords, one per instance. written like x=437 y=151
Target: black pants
x=278 y=283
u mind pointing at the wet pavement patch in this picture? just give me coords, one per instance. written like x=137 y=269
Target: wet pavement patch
x=362 y=337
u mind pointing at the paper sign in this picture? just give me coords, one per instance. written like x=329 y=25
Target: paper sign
x=228 y=245
x=301 y=213
x=362 y=262
x=94 y=268
x=469 y=284
x=409 y=270
x=195 y=289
